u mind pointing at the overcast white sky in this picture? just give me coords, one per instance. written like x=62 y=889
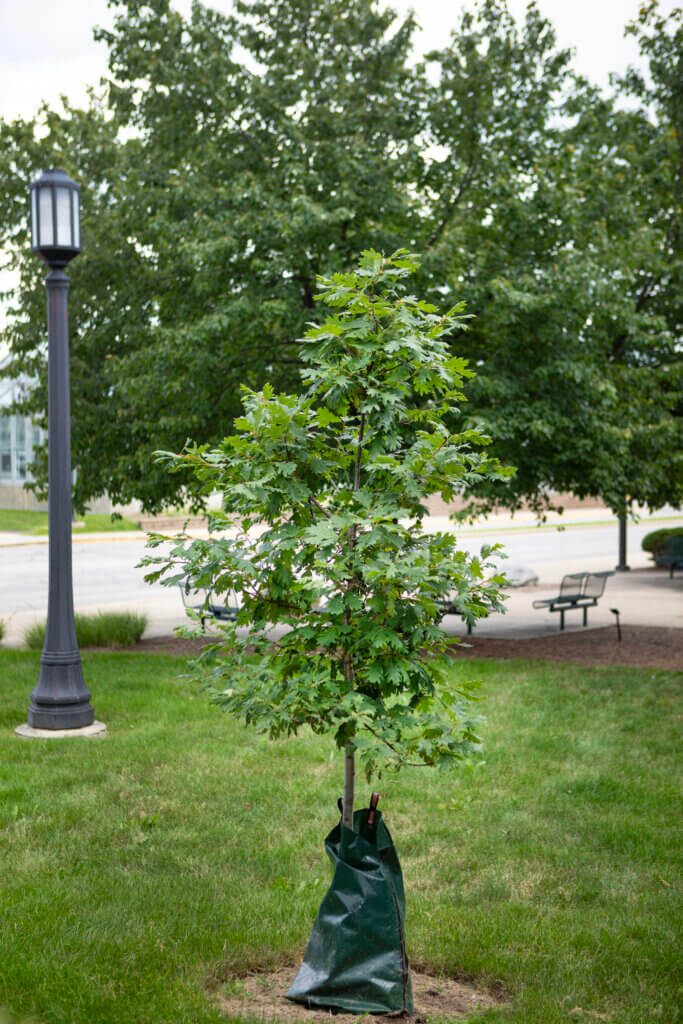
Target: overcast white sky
x=46 y=46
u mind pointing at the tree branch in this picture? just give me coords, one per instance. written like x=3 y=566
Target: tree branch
x=408 y=764
x=450 y=207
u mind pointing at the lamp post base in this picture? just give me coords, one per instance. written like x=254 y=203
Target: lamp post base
x=60 y=700
x=29 y=733
x=69 y=716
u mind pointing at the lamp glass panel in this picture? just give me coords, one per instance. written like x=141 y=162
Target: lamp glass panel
x=64 y=218
x=76 y=198
x=34 y=217
x=45 y=209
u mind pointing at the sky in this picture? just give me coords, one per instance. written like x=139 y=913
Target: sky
x=47 y=49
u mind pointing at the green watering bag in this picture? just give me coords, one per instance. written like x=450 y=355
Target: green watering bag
x=356 y=957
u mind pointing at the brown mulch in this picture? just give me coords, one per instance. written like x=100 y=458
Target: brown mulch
x=640 y=647
x=263 y=995
x=178 y=646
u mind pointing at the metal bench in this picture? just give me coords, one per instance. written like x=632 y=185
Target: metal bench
x=671 y=555
x=577 y=590
x=448 y=608
x=199 y=599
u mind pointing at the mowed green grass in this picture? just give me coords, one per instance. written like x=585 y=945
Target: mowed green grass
x=34 y=521
x=137 y=871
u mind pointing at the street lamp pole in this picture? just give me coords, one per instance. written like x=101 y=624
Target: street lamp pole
x=623 y=565
x=60 y=700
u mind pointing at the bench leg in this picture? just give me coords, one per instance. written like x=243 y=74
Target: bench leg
x=585 y=616
x=561 y=618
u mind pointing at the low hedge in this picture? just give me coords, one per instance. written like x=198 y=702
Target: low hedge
x=655 y=541
x=105 y=629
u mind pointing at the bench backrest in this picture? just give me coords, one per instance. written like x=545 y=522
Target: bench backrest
x=572 y=584
x=194 y=598
x=595 y=584
x=202 y=599
x=584 y=584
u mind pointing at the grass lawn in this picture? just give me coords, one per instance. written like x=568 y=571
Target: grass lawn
x=29 y=521
x=140 y=867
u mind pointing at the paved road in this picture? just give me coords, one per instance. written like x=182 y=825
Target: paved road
x=105 y=573
x=552 y=552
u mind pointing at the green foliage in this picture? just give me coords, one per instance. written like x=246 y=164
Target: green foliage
x=656 y=539
x=335 y=479
x=235 y=157
x=567 y=246
x=105 y=629
x=2 y=630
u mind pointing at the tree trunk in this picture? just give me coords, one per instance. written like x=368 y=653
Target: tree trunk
x=349 y=764
x=349 y=782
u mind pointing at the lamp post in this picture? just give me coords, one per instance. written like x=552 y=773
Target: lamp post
x=60 y=700
x=623 y=565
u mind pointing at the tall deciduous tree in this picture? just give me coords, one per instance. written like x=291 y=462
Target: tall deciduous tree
x=564 y=238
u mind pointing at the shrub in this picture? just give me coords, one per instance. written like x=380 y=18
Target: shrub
x=655 y=541
x=105 y=629
x=2 y=630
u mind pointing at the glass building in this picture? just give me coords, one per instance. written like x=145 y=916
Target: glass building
x=18 y=439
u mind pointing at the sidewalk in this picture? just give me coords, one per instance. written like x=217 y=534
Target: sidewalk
x=12 y=539
x=499 y=524
x=644 y=597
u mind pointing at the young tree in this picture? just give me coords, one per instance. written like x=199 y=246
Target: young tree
x=335 y=480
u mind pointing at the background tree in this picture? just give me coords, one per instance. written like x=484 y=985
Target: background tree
x=565 y=240
x=237 y=187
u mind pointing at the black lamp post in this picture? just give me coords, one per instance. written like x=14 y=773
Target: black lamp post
x=623 y=565
x=61 y=699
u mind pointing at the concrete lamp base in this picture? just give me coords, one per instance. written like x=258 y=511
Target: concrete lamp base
x=29 y=733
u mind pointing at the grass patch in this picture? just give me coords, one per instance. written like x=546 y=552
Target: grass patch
x=31 y=521
x=182 y=847
x=104 y=629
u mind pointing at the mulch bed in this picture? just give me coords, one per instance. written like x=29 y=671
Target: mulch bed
x=435 y=999
x=640 y=647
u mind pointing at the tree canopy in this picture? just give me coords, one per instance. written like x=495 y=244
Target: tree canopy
x=231 y=159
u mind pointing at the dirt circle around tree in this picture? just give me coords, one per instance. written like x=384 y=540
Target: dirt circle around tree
x=262 y=996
